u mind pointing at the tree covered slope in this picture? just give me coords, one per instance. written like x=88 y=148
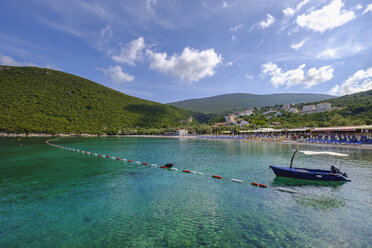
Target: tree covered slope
x=43 y=100
x=236 y=102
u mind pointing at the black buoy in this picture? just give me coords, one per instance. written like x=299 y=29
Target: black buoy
x=169 y=165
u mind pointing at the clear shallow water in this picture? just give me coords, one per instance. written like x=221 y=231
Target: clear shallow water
x=56 y=198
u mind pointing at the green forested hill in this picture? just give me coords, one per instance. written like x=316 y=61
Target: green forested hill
x=236 y=102
x=43 y=100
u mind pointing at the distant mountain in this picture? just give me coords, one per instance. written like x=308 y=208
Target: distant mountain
x=42 y=100
x=236 y=102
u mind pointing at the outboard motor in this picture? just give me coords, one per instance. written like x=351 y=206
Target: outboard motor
x=336 y=170
x=169 y=165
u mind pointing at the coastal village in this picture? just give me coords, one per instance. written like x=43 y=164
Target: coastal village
x=236 y=118
x=345 y=135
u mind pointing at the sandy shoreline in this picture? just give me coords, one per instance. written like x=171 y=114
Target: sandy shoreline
x=41 y=135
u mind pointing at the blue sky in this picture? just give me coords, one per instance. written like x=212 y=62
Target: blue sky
x=174 y=50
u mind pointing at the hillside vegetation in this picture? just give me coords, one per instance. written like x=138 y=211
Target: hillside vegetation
x=42 y=100
x=355 y=109
x=237 y=102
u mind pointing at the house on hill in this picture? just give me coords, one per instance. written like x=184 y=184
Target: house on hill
x=229 y=117
x=324 y=106
x=248 y=112
x=293 y=110
x=308 y=108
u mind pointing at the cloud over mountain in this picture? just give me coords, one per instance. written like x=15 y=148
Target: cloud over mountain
x=360 y=81
x=191 y=65
x=297 y=76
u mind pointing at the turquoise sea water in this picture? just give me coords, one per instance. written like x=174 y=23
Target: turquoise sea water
x=51 y=197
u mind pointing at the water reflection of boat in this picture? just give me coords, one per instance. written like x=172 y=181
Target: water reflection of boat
x=287 y=181
x=334 y=174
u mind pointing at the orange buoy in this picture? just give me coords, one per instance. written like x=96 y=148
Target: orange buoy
x=100 y=155
x=163 y=167
x=187 y=171
x=130 y=161
x=117 y=158
x=262 y=185
x=145 y=163
x=91 y=153
x=218 y=177
x=254 y=184
x=107 y=156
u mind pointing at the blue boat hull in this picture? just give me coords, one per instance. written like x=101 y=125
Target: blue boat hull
x=307 y=174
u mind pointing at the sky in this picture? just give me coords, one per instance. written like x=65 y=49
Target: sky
x=172 y=50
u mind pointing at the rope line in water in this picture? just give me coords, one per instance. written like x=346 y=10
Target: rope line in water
x=147 y=164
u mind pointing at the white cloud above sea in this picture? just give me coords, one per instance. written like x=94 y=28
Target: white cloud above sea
x=298 y=45
x=116 y=74
x=360 y=81
x=328 y=17
x=340 y=52
x=291 y=11
x=236 y=28
x=368 y=9
x=297 y=76
x=191 y=65
x=269 y=21
x=131 y=52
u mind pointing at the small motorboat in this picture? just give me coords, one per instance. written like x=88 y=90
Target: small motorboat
x=334 y=174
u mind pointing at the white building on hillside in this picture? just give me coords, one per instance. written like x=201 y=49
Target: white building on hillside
x=323 y=106
x=308 y=108
x=293 y=110
x=229 y=117
x=248 y=112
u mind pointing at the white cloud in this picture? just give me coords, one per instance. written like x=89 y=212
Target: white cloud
x=340 y=52
x=233 y=37
x=297 y=76
x=298 y=45
x=290 y=12
x=62 y=27
x=106 y=33
x=236 y=28
x=192 y=65
x=225 y=5
x=117 y=75
x=328 y=17
x=229 y=63
x=269 y=21
x=328 y=53
x=131 y=52
x=53 y=67
x=249 y=76
x=360 y=81
x=368 y=9
x=6 y=60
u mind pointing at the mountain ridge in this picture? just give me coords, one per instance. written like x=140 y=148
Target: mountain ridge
x=231 y=102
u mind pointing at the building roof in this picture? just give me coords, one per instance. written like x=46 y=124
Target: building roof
x=299 y=129
x=346 y=128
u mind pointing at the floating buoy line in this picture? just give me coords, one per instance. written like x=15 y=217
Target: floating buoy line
x=147 y=164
